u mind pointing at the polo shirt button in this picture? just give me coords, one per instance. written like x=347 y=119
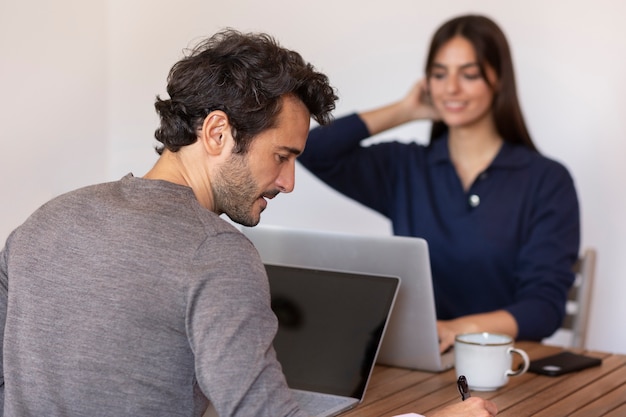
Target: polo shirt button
x=474 y=200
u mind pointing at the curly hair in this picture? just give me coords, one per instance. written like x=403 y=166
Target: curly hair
x=245 y=76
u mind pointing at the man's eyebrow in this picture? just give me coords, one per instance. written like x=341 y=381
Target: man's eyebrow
x=289 y=149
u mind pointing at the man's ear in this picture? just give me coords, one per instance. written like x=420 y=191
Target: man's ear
x=215 y=132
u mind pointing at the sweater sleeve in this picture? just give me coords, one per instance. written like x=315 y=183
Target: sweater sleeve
x=549 y=249
x=333 y=142
x=231 y=328
x=334 y=154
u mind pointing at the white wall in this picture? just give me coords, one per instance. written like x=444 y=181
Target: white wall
x=53 y=120
x=77 y=78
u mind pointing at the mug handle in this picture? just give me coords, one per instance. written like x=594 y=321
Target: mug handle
x=525 y=359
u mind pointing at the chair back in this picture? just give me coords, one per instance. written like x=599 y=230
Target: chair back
x=574 y=328
x=580 y=296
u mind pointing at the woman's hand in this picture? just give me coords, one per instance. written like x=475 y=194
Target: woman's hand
x=418 y=103
x=415 y=105
x=500 y=321
x=448 y=329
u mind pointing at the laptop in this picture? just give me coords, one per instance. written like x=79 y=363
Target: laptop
x=411 y=339
x=330 y=328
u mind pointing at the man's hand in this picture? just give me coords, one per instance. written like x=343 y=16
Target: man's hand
x=472 y=407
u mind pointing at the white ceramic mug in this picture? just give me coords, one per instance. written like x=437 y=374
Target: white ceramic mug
x=486 y=360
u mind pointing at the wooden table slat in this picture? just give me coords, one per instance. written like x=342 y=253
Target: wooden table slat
x=559 y=388
x=605 y=404
x=617 y=412
x=596 y=391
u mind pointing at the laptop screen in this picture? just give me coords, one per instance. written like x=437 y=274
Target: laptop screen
x=330 y=326
x=411 y=339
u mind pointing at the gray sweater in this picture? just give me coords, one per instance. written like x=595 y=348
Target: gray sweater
x=131 y=299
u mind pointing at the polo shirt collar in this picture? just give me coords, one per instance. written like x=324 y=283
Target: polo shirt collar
x=510 y=156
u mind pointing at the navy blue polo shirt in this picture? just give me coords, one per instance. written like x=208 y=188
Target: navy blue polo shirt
x=509 y=242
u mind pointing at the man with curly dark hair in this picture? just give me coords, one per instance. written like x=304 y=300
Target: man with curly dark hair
x=134 y=298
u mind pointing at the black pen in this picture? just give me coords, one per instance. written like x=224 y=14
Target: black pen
x=463 y=388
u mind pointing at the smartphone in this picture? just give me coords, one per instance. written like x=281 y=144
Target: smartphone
x=562 y=363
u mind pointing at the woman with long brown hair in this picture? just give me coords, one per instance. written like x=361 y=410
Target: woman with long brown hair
x=501 y=220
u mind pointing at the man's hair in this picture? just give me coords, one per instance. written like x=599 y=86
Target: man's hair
x=245 y=76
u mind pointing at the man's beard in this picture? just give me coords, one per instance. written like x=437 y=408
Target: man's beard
x=235 y=191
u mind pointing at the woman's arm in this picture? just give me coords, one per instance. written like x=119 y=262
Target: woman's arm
x=549 y=244
x=414 y=106
x=500 y=321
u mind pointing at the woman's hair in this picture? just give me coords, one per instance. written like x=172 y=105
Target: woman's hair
x=245 y=76
x=492 y=49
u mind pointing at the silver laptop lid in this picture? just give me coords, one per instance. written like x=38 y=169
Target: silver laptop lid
x=411 y=339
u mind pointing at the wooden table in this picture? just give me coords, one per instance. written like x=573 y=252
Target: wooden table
x=598 y=391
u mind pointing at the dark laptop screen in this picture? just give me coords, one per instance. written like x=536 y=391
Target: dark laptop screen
x=330 y=326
